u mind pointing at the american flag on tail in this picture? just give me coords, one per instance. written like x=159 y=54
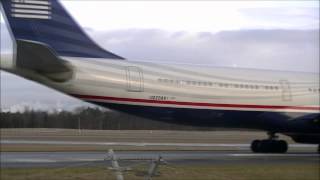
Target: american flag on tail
x=34 y=9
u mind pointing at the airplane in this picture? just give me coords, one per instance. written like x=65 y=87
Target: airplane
x=52 y=49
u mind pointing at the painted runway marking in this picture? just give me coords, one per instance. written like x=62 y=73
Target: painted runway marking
x=27 y=160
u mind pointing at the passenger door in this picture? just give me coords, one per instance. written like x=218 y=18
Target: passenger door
x=134 y=76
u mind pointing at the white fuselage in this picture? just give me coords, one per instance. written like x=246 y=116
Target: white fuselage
x=189 y=86
x=195 y=95
x=206 y=86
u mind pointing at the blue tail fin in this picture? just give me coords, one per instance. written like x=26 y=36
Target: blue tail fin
x=47 y=22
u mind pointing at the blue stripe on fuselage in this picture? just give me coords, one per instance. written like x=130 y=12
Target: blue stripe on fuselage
x=267 y=121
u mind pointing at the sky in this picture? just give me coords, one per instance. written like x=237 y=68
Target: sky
x=278 y=35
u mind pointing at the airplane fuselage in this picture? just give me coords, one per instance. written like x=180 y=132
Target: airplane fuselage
x=198 y=95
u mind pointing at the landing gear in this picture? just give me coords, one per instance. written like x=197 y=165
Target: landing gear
x=319 y=149
x=271 y=145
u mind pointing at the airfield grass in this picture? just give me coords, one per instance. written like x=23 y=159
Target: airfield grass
x=169 y=172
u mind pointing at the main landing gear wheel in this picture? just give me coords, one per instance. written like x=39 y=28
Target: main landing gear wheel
x=271 y=145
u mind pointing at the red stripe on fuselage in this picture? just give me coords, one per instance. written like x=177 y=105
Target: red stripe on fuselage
x=194 y=103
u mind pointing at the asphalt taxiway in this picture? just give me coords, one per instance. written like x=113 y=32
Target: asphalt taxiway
x=58 y=148
x=62 y=159
x=73 y=154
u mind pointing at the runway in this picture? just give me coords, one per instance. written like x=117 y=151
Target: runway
x=47 y=148
x=62 y=159
x=41 y=149
x=240 y=145
x=60 y=154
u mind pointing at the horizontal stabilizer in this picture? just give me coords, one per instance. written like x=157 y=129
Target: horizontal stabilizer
x=40 y=58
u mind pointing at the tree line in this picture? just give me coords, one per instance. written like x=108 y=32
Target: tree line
x=84 y=118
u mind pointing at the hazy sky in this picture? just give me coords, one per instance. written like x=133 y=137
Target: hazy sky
x=253 y=34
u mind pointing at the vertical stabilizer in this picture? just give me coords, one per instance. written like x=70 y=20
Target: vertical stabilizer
x=47 y=22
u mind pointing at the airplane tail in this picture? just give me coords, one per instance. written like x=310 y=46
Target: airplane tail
x=46 y=22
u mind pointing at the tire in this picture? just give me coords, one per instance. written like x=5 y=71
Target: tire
x=269 y=146
x=255 y=146
x=283 y=146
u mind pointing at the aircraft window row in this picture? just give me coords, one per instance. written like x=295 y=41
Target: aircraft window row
x=186 y=82
x=248 y=86
x=219 y=84
x=314 y=90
